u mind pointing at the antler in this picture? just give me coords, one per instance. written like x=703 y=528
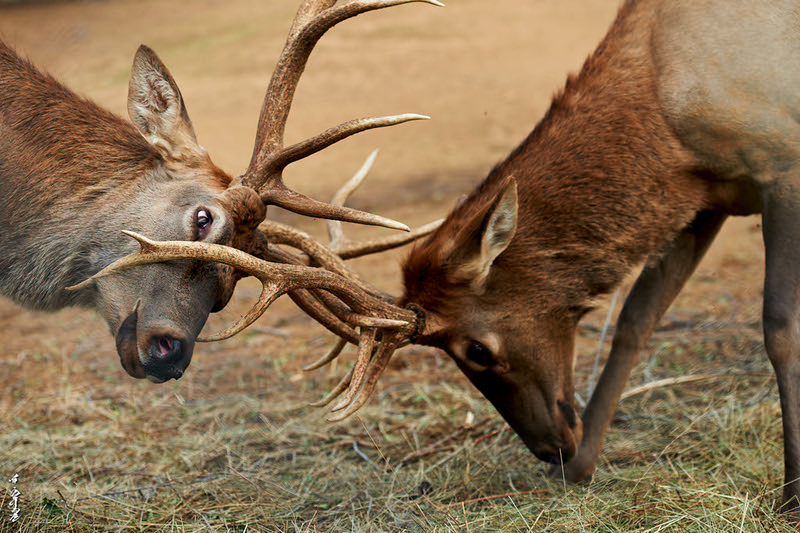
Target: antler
x=348 y=249
x=331 y=293
x=265 y=172
x=365 y=313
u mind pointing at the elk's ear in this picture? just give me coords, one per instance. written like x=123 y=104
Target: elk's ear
x=488 y=237
x=156 y=108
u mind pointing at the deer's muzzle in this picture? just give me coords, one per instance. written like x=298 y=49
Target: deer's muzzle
x=162 y=354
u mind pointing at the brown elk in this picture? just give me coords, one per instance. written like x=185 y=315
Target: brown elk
x=73 y=176
x=687 y=113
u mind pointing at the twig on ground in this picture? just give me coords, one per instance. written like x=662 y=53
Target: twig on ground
x=433 y=448
x=460 y=432
x=487 y=498
x=244 y=478
x=493 y=433
x=687 y=379
x=363 y=455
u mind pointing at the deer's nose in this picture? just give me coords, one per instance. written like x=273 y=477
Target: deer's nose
x=168 y=357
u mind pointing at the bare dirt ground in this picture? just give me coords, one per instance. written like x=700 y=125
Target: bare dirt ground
x=484 y=71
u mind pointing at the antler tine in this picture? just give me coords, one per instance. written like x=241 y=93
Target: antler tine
x=336 y=392
x=321 y=306
x=332 y=354
x=348 y=249
x=317 y=252
x=264 y=174
x=335 y=232
x=311 y=305
x=365 y=351
x=389 y=344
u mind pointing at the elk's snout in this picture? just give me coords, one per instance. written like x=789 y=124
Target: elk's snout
x=168 y=354
x=162 y=354
x=565 y=434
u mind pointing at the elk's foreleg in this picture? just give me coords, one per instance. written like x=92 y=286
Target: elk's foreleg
x=781 y=216
x=651 y=295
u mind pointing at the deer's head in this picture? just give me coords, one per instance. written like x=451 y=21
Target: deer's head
x=485 y=310
x=156 y=311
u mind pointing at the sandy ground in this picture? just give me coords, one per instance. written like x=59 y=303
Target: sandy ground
x=484 y=71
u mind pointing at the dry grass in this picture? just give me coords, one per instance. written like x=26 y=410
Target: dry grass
x=233 y=447
x=242 y=452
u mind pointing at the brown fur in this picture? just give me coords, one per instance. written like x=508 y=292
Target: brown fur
x=601 y=187
x=639 y=159
x=73 y=176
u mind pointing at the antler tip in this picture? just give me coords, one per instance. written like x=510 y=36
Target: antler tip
x=377 y=220
x=414 y=116
x=82 y=285
x=144 y=242
x=399 y=225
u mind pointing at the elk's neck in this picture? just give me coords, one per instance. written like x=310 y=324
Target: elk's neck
x=64 y=165
x=603 y=182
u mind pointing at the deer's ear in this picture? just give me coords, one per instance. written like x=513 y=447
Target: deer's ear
x=488 y=237
x=156 y=108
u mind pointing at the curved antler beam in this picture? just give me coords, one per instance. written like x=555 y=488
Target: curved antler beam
x=264 y=174
x=276 y=280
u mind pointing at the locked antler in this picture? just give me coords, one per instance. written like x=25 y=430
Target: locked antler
x=265 y=175
x=317 y=278
x=331 y=293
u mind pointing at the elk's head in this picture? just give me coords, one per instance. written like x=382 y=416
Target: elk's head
x=481 y=307
x=157 y=310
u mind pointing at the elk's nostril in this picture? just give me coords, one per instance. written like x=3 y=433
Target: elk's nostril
x=166 y=358
x=569 y=413
x=165 y=345
x=166 y=348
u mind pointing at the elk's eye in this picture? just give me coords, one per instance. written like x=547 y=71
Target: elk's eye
x=480 y=354
x=202 y=221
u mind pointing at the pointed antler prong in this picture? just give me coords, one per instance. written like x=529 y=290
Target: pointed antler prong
x=365 y=346
x=327 y=358
x=336 y=391
x=388 y=345
x=147 y=253
x=335 y=232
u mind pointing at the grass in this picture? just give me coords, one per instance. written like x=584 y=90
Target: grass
x=427 y=454
x=234 y=447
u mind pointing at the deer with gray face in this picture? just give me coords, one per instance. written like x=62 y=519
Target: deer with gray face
x=73 y=176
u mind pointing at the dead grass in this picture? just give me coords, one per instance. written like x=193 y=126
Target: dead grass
x=428 y=454
x=232 y=447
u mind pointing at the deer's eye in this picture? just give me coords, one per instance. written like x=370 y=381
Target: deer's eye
x=480 y=354
x=202 y=223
